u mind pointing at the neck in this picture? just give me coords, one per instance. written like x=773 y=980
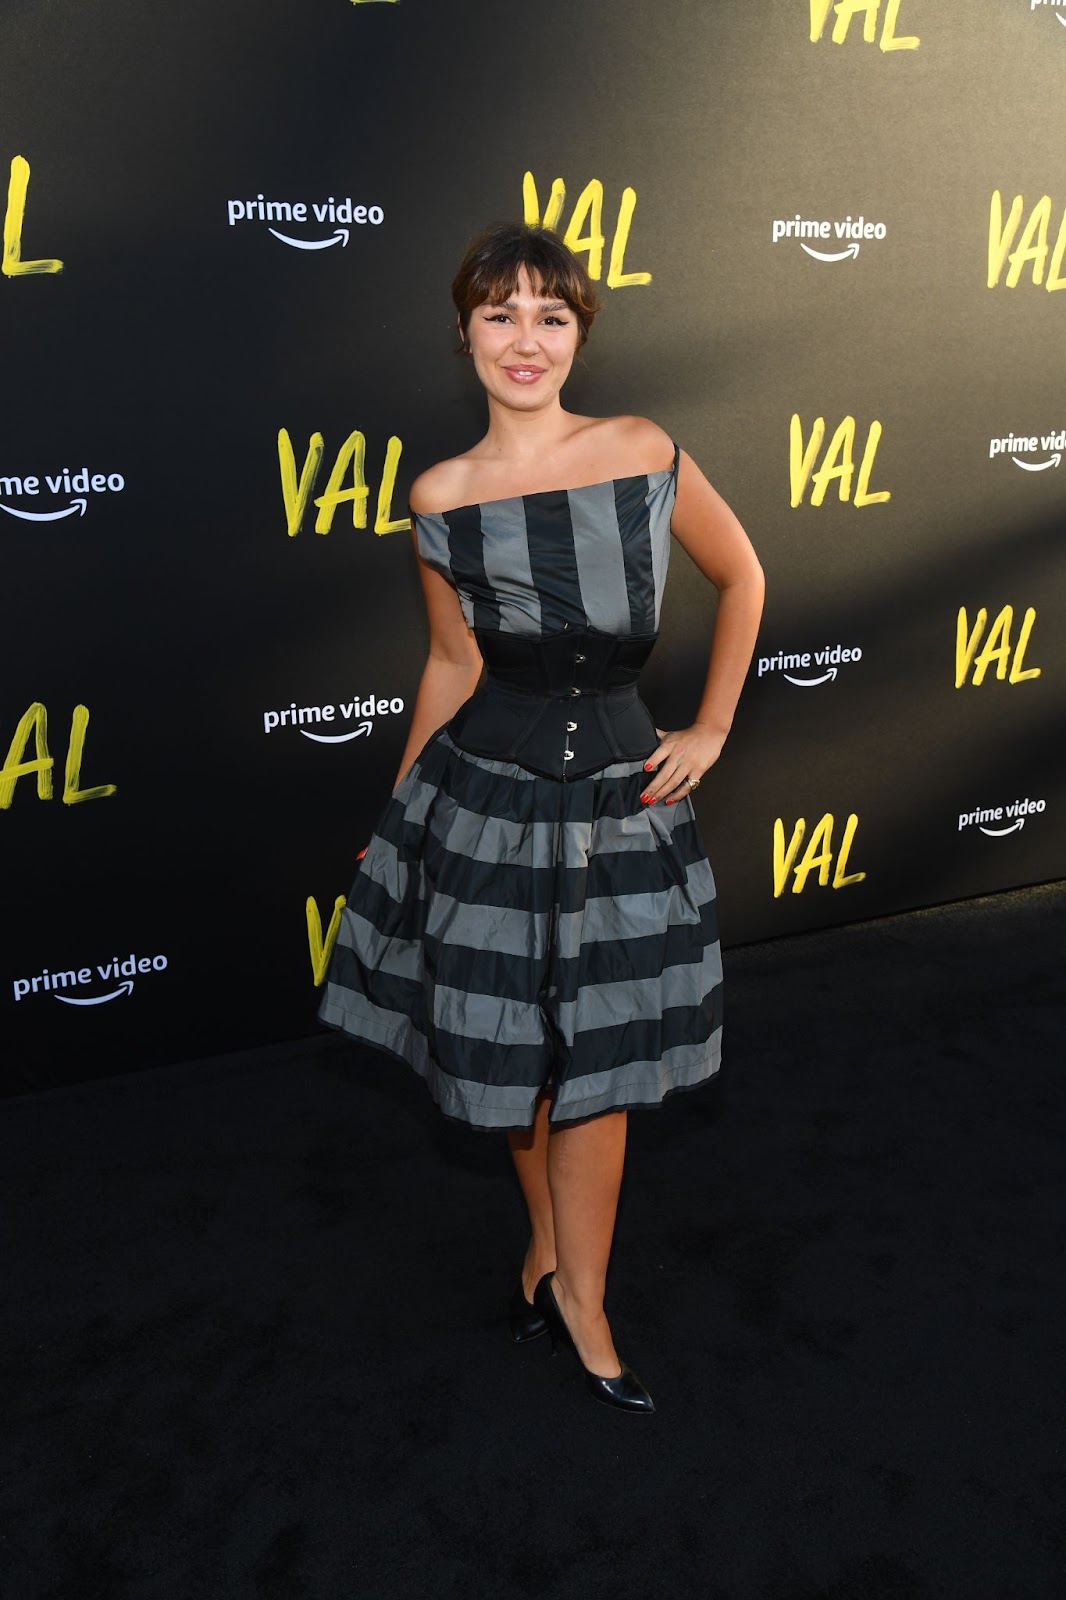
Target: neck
x=525 y=435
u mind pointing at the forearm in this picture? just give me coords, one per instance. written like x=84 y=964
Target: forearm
x=442 y=689
x=735 y=631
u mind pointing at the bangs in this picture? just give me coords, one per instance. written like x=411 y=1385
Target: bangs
x=497 y=280
x=491 y=268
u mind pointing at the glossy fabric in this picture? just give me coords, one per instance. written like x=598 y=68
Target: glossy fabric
x=562 y=707
x=523 y=923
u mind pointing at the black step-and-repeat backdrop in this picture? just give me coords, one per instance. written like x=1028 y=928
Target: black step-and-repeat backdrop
x=831 y=243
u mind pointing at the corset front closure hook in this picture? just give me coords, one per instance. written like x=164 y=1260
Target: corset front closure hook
x=561 y=706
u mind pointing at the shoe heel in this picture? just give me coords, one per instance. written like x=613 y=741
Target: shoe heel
x=544 y=1301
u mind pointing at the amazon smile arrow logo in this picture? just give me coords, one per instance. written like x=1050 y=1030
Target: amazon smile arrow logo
x=997 y=833
x=78 y=505
x=810 y=683
x=95 y=999
x=1038 y=466
x=842 y=255
x=338 y=738
x=311 y=244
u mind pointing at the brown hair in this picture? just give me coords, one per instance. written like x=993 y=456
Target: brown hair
x=488 y=273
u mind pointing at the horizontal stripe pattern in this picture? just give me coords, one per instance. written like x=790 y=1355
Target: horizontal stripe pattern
x=506 y=931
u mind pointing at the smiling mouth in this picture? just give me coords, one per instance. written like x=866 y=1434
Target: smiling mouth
x=524 y=374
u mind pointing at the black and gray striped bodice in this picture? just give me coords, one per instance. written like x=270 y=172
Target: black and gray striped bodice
x=591 y=557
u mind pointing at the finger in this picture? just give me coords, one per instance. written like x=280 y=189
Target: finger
x=665 y=779
x=659 y=753
x=680 y=792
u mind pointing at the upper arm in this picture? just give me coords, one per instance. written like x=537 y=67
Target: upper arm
x=709 y=531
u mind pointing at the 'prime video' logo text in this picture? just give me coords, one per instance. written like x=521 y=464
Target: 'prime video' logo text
x=303 y=718
x=983 y=817
x=1019 y=444
x=79 y=485
x=76 y=978
x=830 y=658
x=325 y=213
x=850 y=233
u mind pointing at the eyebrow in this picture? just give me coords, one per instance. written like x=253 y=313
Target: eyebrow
x=545 y=305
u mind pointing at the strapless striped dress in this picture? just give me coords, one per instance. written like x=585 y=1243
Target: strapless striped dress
x=511 y=928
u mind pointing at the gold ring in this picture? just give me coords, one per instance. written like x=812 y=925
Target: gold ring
x=693 y=783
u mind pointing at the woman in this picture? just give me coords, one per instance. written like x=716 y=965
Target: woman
x=532 y=927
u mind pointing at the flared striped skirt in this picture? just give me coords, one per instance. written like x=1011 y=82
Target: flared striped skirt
x=508 y=933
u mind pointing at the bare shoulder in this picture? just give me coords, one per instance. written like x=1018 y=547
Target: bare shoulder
x=441 y=487
x=639 y=442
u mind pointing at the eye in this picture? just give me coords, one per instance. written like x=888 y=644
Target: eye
x=498 y=316
x=559 y=322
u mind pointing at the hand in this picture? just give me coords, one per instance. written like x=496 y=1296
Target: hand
x=679 y=757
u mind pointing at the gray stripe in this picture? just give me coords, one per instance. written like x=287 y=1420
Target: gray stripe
x=431 y=533
x=382 y=951
x=660 y=509
x=485 y=1016
x=624 y=916
x=501 y=841
x=601 y=574
x=512 y=933
x=639 y=1082
x=343 y=1008
x=384 y=867
x=605 y=1005
x=506 y=556
x=498 y=840
x=484 y=1105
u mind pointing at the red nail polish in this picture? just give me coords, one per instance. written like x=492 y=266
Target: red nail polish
x=649 y=766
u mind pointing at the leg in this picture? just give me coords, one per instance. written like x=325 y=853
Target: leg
x=584 y=1174
x=529 y=1151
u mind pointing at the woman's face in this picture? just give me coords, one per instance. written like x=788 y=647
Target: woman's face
x=523 y=350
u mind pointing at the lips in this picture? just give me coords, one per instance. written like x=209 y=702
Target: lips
x=524 y=374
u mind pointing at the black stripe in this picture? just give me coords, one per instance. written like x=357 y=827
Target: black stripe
x=553 y=560
x=466 y=556
x=495 y=972
x=634 y=528
x=511 y=977
x=522 y=887
x=646 y=1039
x=490 y=1062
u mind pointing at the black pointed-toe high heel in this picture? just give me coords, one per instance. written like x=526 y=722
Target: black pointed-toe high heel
x=525 y=1320
x=625 y=1392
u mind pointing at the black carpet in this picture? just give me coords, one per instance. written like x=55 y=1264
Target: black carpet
x=256 y=1345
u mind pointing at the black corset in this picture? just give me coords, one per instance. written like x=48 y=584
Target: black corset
x=562 y=706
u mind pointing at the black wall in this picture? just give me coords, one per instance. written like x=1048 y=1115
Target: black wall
x=174 y=345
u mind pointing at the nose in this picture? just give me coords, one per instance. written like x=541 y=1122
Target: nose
x=525 y=340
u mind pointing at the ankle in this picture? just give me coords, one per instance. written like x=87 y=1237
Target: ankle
x=582 y=1303
x=540 y=1260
